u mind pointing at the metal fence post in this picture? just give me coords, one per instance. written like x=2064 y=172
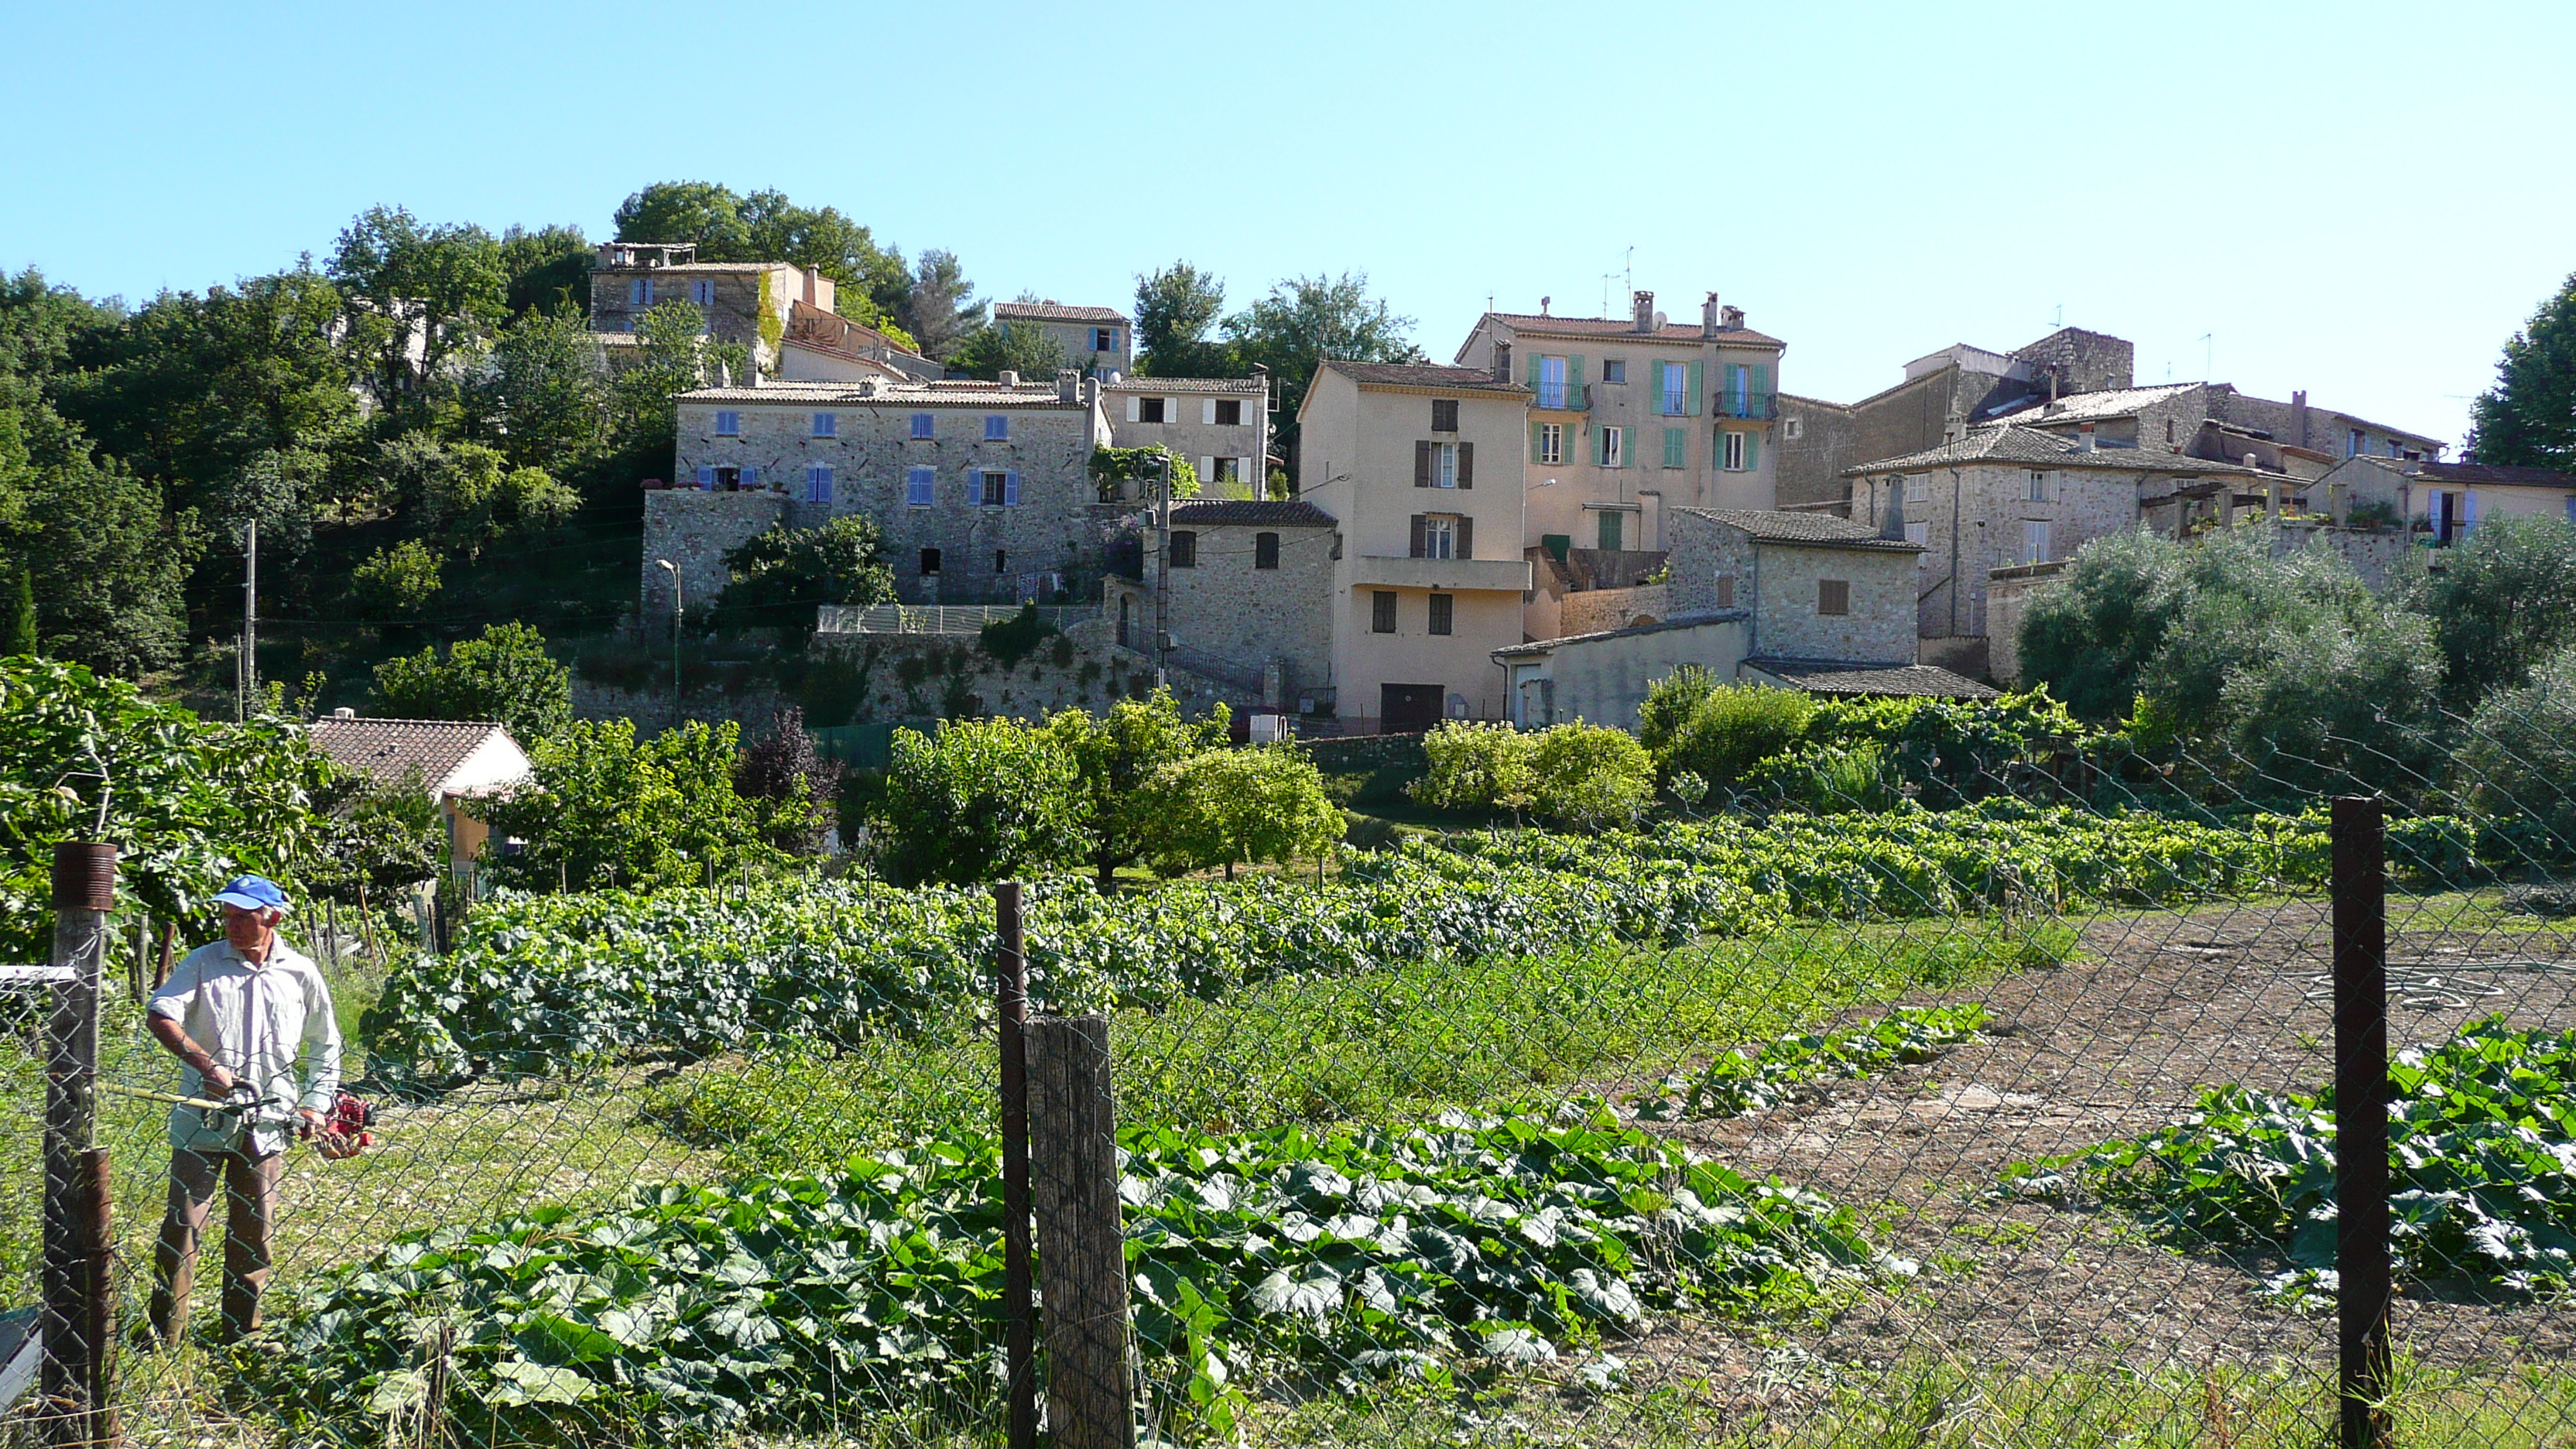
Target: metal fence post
x=2361 y=1120
x=73 y=1375
x=1011 y=997
x=1082 y=1240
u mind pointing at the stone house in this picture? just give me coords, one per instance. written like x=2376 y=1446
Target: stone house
x=2444 y=501
x=457 y=763
x=1251 y=597
x=983 y=490
x=745 y=303
x=1632 y=416
x=1421 y=469
x=1097 y=341
x=821 y=345
x=2004 y=496
x=1221 y=424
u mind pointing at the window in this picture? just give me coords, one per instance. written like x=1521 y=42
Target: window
x=1265 y=550
x=703 y=291
x=1918 y=488
x=1614 y=369
x=1150 y=409
x=1609 y=529
x=1441 y=605
x=1674 y=447
x=1001 y=561
x=1439 y=537
x=920 y=485
x=997 y=489
x=1549 y=444
x=1920 y=534
x=2038 y=486
x=728 y=423
x=1229 y=470
x=1731 y=458
x=2034 y=542
x=997 y=428
x=1185 y=549
x=639 y=292
x=1381 y=611
x=1104 y=339
x=827 y=425
x=2393 y=450
x=1444 y=465
x=1833 y=596
x=2355 y=444
x=1614 y=447
x=1444 y=415
x=1551 y=382
x=1229 y=412
x=922 y=427
x=1726 y=591
x=818 y=483
x=1672 y=388
x=1793 y=428
x=2169 y=430
x=930 y=562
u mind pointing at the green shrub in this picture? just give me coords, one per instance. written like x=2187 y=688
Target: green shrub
x=1590 y=777
x=1013 y=639
x=982 y=800
x=1476 y=767
x=2519 y=761
x=1726 y=729
x=1235 y=807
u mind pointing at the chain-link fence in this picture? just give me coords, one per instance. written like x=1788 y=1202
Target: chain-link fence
x=1945 y=1094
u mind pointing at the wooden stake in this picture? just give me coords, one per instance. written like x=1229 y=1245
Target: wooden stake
x=1011 y=999
x=1082 y=1246
x=73 y=1366
x=2361 y=1119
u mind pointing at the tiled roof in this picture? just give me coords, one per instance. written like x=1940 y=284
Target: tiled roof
x=390 y=751
x=1051 y=312
x=889 y=393
x=2080 y=407
x=659 y=268
x=1255 y=513
x=2498 y=474
x=1686 y=621
x=1819 y=676
x=1816 y=530
x=1249 y=386
x=2014 y=444
x=1529 y=325
x=1423 y=374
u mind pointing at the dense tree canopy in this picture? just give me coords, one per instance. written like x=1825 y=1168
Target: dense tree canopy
x=1177 y=307
x=2501 y=601
x=504 y=675
x=778 y=577
x=608 y=809
x=767 y=227
x=2529 y=417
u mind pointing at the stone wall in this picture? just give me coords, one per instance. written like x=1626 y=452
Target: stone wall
x=1827 y=439
x=694 y=530
x=1239 y=619
x=1589 y=611
x=2083 y=361
x=2009 y=594
x=1972 y=519
x=1779 y=583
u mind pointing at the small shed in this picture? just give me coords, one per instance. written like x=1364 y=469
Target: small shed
x=455 y=761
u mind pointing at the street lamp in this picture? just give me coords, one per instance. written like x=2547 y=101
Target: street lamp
x=676 y=611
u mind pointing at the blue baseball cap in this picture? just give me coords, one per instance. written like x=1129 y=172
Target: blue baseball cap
x=252 y=893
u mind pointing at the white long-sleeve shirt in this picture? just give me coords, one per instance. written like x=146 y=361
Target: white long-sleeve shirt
x=270 y=1024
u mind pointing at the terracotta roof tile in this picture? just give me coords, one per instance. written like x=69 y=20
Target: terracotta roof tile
x=2014 y=444
x=1529 y=325
x=389 y=751
x=1249 y=386
x=1052 y=312
x=1257 y=513
x=1423 y=374
x=2499 y=474
x=1818 y=676
x=1816 y=530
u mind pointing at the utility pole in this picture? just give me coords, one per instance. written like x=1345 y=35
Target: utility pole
x=678 y=608
x=246 y=677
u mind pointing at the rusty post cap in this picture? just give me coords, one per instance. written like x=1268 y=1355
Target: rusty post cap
x=84 y=875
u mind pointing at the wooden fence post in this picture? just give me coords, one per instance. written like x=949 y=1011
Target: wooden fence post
x=1082 y=1245
x=2361 y=1120
x=72 y=1376
x=1011 y=1003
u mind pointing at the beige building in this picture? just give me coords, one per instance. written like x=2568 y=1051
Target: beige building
x=744 y=303
x=1221 y=424
x=456 y=763
x=821 y=345
x=2446 y=500
x=1421 y=469
x=1097 y=341
x=1633 y=416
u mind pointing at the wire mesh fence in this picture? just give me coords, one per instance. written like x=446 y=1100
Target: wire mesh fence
x=1968 y=1095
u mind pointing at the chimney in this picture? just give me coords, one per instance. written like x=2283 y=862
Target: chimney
x=1068 y=386
x=812 y=275
x=724 y=375
x=1542 y=305
x=1708 y=316
x=1894 y=527
x=1731 y=318
x=2084 y=437
x=1090 y=391
x=2299 y=416
x=1009 y=379
x=1954 y=429
x=344 y=712
x=1644 y=304
x=1502 y=360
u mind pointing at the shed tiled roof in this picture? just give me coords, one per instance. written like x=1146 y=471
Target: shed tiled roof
x=390 y=751
x=1253 y=513
x=2497 y=474
x=889 y=393
x=2015 y=444
x=660 y=269
x=1814 y=530
x=2078 y=407
x=1686 y=621
x=1820 y=676
x=1527 y=324
x=1248 y=386
x=1053 y=312
x=1423 y=374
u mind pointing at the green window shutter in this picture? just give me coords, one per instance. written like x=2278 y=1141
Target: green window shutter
x=1534 y=437
x=1761 y=378
x=1696 y=385
x=1752 y=451
x=1535 y=360
x=1573 y=382
x=1673 y=447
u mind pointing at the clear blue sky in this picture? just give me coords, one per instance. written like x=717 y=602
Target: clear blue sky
x=2361 y=199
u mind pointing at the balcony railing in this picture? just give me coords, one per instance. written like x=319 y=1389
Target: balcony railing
x=1567 y=397
x=1748 y=405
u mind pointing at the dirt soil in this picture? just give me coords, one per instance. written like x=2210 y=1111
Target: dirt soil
x=2114 y=1044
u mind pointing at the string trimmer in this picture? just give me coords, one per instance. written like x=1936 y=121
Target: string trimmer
x=343 y=1132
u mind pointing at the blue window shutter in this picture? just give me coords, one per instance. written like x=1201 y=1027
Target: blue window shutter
x=1011 y=489
x=750 y=475
x=1697 y=386
x=706 y=475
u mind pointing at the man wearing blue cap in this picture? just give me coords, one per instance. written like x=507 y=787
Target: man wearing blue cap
x=249 y=1017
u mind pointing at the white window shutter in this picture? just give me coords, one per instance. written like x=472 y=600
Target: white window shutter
x=1135 y=407
x=1207 y=410
x=1207 y=471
